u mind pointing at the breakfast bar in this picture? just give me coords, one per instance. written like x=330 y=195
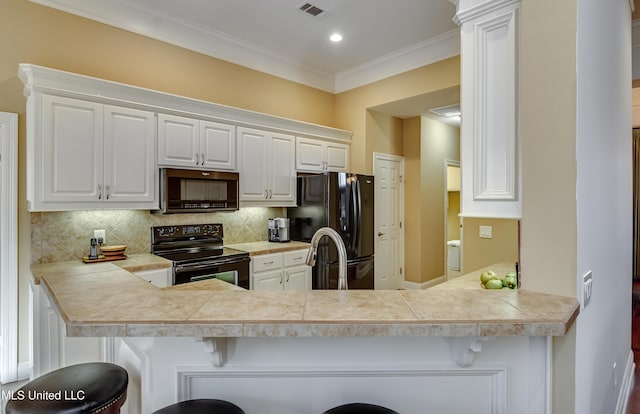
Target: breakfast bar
x=301 y=352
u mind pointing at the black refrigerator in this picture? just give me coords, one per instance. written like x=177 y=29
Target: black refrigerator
x=344 y=202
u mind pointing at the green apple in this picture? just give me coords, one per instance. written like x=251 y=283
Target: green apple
x=510 y=282
x=511 y=274
x=487 y=276
x=494 y=284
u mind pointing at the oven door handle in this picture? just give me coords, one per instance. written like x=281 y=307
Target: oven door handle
x=205 y=265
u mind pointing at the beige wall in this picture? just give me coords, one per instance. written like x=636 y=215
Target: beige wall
x=440 y=142
x=412 y=198
x=453 y=215
x=426 y=145
x=549 y=171
x=479 y=252
x=351 y=106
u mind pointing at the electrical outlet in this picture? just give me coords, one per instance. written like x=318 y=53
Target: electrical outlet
x=100 y=234
x=587 y=288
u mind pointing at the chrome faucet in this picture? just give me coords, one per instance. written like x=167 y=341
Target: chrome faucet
x=342 y=253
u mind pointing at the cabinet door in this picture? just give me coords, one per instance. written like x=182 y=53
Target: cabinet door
x=218 y=146
x=129 y=155
x=270 y=280
x=72 y=141
x=159 y=277
x=297 y=278
x=178 y=141
x=337 y=157
x=282 y=170
x=253 y=146
x=309 y=155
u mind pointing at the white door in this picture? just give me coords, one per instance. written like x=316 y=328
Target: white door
x=389 y=209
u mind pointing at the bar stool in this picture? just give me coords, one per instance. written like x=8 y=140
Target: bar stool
x=360 y=408
x=202 y=406
x=91 y=388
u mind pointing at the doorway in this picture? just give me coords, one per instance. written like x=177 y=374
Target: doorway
x=389 y=215
x=453 y=221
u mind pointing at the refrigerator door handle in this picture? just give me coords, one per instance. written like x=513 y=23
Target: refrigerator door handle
x=357 y=204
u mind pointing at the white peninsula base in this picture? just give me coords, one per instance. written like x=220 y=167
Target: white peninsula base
x=412 y=375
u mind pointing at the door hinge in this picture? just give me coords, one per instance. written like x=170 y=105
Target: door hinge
x=401 y=178
x=400 y=270
x=400 y=224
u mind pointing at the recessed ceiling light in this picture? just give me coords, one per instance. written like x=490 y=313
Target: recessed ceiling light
x=336 y=37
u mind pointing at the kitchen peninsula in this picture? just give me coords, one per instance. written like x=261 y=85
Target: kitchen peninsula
x=302 y=352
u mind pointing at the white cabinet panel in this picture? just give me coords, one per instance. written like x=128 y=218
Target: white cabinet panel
x=178 y=141
x=281 y=271
x=194 y=143
x=72 y=141
x=129 y=154
x=267 y=168
x=319 y=155
x=218 y=145
x=269 y=280
x=158 y=277
x=89 y=155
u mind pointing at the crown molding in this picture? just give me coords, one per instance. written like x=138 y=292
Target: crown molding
x=39 y=79
x=424 y=53
x=124 y=15
x=470 y=9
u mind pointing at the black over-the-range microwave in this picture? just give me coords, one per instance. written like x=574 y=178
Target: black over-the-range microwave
x=197 y=191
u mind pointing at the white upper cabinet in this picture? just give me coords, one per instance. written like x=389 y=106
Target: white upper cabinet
x=318 y=155
x=89 y=155
x=267 y=168
x=193 y=143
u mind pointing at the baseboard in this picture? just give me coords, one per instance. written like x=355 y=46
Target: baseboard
x=627 y=385
x=24 y=370
x=424 y=285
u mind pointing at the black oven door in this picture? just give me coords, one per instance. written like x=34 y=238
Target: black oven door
x=234 y=270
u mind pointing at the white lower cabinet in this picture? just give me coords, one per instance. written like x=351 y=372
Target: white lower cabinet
x=51 y=347
x=281 y=271
x=158 y=277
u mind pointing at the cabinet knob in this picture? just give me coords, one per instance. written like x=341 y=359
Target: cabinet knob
x=108 y=188
x=202 y=155
x=99 y=191
x=197 y=159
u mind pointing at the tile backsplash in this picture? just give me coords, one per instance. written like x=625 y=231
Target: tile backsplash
x=62 y=236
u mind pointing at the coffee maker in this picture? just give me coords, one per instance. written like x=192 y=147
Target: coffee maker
x=278 y=229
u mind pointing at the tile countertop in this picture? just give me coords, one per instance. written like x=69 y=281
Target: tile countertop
x=265 y=247
x=104 y=299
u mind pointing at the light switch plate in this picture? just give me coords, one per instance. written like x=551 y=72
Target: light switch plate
x=486 y=232
x=587 y=288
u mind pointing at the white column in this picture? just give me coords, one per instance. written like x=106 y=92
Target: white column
x=490 y=150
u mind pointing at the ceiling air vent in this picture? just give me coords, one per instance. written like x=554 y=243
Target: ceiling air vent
x=311 y=9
